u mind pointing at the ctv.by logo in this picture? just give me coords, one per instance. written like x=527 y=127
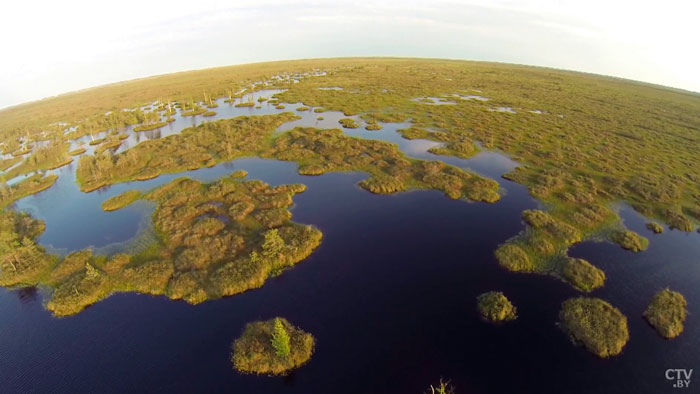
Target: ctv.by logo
x=681 y=377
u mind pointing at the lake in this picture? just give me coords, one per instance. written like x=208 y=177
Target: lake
x=390 y=295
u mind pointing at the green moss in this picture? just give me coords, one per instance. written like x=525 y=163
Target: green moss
x=253 y=351
x=373 y=126
x=246 y=104
x=279 y=106
x=630 y=240
x=121 y=200
x=302 y=108
x=209 y=113
x=319 y=110
x=667 y=312
x=598 y=326
x=494 y=307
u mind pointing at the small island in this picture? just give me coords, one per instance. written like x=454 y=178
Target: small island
x=655 y=227
x=271 y=347
x=348 y=123
x=121 y=200
x=667 y=312
x=495 y=307
x=630 y=240
x=598 y=326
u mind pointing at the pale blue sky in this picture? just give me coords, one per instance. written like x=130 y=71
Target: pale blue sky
x=58 y=46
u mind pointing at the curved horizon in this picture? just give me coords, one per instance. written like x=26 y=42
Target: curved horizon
x=106 y=84
x=76 y=44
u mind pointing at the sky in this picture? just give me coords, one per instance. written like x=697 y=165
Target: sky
x=52 y=47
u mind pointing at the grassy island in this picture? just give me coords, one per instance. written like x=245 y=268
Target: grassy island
x=655 y=227
x=152 y=126
x=373 y=126
x=239 y=174
x=211 y=240
x=494 y=307
x=598 y=326
x=630 y=240
x=667 y=312
x=246 y=104
x=272 y=347
x=32 y=185
x=195 y=111
x=121 y=200
x=316 y=151
x=348 y=123
x=302 y=108
x=542 y=248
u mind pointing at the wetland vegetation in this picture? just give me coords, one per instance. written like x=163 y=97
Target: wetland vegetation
x=583 y=142
x=271 y=347
x=212 y=240
x=495 y=307
x=595 y=324
x=667 y=312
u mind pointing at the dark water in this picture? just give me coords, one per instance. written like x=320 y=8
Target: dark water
x=389 y=295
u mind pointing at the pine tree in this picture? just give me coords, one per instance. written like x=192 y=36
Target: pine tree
x=280 y=339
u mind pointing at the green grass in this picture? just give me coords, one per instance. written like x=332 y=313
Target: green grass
x=667 y=313
x=253 y=352
x=494 y=307
x=595 y=324
x=121 y=200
